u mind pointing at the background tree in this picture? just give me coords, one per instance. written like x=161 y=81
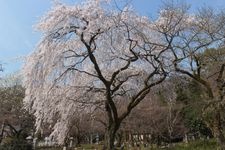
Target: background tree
x=192 y=96
x=189 y=43
x=158 y=118
x=16 y=123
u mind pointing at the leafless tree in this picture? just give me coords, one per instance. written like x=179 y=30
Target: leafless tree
x=189 y=44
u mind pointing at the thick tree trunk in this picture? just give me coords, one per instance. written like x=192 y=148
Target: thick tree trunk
x=119 y=138
x=78 y=140
x=110 y=136
x=218 y=132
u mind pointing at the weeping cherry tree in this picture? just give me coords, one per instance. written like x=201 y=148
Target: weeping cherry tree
x=89 y=57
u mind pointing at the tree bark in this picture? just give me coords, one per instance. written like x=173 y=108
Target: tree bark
x=119 y=138
x=218 y=132
x=110 y=136
x=2 y=131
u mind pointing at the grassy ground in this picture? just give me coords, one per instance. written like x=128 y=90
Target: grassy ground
x=196 y=145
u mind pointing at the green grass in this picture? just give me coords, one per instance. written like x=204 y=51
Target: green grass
x=90 y=147
x=194 y=145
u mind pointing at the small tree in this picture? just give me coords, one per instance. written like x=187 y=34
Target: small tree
x=16 y=123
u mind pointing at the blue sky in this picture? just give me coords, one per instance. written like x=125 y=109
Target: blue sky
x=17 y=17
